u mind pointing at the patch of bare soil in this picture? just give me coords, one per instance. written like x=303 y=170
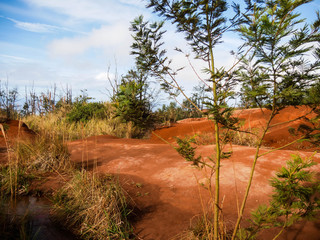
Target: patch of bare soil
x=15 y=129
x=170 y=194
x=166 y=189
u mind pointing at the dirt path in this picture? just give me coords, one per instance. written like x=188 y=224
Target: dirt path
x=165 y=189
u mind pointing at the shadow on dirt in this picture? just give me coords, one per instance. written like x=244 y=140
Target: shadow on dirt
x=145 y=199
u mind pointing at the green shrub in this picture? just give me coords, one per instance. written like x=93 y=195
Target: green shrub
x=83 y=112
x=172 y=113
x=132 y=105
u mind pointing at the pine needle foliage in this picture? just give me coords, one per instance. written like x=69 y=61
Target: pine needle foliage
x=296 y=197
x=295 y=186
x=132 y=101
x=187 y=151
x=278 y=71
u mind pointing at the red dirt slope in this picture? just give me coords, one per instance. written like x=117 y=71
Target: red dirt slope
x=15 y=129
x=252 y=119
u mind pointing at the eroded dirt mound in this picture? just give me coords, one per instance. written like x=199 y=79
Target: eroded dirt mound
x=250 y=120
x=170 y=194
x=187 y=127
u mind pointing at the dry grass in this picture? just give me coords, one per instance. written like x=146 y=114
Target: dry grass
x=202 y=229
x=44 y=153
x=245 y=138
x=94 y=207
x=56 y=124
x=30 y=158
x=205 y=138
x=234 y=137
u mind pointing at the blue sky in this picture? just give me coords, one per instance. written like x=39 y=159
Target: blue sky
x=46 y=42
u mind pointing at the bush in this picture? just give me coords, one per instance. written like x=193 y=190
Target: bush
x=83 y=112
x=132 y=104
x=172 y=113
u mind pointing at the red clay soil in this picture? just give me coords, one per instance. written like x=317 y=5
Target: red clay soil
x=164 y=186
x=252 y=120
x=168 y=191
x=13 y=130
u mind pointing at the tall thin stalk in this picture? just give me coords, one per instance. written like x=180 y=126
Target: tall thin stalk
x=256 y=156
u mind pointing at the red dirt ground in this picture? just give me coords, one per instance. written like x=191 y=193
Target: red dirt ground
x=166 y=189
x=168 y=192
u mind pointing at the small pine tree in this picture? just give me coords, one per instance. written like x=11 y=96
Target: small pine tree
x=203 y=23
x=132 y=102
x=295 y=198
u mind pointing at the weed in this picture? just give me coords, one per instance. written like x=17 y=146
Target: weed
x=20 y=186
x=295 y=198
x=205 y=138
x=186 y=150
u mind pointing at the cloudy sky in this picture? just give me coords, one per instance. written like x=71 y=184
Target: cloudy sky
x=74 y=42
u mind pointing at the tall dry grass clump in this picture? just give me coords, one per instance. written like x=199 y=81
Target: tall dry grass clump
x=44 y=153
x=57 y=124
x=93 y=207
x=30 y=158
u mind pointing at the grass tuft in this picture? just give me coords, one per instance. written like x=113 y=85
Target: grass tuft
x=94 y=207
x=44 y=153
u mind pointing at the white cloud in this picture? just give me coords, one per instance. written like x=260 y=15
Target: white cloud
x=113 y=40
x=15 y=58
x=38 y=27
x=98 y=10
x=101 y=76
x=33 y=27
